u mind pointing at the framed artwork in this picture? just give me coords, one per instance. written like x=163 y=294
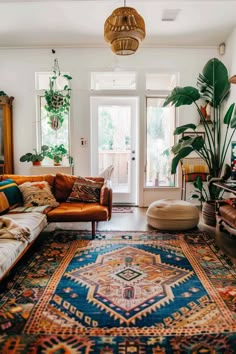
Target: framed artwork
x=191 y=134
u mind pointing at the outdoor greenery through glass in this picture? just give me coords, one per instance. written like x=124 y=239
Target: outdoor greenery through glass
x=52 y=137
x=160 y=125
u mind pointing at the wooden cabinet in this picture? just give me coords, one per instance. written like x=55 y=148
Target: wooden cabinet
x=6 y=137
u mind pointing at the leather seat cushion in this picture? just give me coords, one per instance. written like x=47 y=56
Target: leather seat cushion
x=78 y=212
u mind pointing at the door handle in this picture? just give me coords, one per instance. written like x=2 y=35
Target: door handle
x=133 y=158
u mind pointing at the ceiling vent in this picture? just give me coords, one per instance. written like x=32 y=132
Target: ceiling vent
x=170 y=15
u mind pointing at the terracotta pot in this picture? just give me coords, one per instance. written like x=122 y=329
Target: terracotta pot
x=36 y=163
x=55 y=163
x=209 y=213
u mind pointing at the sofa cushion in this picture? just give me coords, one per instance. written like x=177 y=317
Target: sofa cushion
x=37 y=193
x=63 y=186
x=36 y=222
x=4 y=204
x=10 y=250
x=12 y=192
x=20 y=179
x=78 y=212
x=85 y=190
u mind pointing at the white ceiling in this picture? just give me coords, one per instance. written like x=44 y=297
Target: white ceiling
x=80 y=23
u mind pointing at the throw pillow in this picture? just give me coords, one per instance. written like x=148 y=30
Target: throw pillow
x=37 y=193
x=85 y=190
x=12 y=192
x=4 y=205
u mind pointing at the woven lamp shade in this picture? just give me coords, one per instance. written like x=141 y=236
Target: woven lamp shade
x=232 y=79
x=124 y=30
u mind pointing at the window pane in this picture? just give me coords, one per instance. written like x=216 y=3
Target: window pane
x=42 y=81
x=160 y=127
x=49 y=136
x=157 y=81
x=121 y=80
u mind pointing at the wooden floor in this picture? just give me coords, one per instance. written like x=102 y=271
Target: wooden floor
x=136 y=221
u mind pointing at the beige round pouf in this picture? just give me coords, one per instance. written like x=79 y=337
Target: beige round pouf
x=170 y=214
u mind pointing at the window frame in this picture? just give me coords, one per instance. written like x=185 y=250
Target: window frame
x=156 y=94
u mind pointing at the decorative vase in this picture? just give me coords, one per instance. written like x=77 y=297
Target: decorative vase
x=55 y=122
x=209 y=213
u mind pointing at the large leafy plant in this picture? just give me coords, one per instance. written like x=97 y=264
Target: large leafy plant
x=213 y=87
x=36 y=155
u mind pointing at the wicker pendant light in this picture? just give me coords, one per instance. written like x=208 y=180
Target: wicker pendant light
x=124 y=29
x=232 y=79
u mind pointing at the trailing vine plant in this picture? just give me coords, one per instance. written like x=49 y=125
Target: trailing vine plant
x=57 y=100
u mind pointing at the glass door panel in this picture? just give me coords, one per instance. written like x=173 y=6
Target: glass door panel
x=116 y=144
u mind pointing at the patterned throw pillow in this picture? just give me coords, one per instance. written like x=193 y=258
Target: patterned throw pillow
x=37 y=193
x=85 y=190
x=4 y=205
x=12 y=192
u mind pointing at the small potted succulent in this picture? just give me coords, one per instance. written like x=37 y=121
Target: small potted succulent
x=36 y=157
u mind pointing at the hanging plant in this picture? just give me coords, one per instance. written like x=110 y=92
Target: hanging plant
x=57 y=101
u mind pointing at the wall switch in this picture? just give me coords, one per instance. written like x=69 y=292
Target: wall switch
x=83 y=142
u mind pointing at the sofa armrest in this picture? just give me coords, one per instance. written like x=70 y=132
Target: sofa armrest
x=106 y=197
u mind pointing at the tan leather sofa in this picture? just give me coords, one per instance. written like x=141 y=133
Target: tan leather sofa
x=61 y=185
x=12 y=249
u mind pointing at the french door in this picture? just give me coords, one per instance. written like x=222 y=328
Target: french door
x=114 y=142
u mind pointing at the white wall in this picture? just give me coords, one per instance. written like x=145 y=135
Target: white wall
x=17 y=73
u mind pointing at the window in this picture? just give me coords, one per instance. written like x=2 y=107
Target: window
x=114 y=80
x=159 y=138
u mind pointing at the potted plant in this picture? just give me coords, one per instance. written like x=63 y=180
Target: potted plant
x=213 y=88
x=4 y=98
x=57 y=101
x=36 y=157
x=56 y=153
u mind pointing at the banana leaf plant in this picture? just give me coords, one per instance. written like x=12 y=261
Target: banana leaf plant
x=213 y=87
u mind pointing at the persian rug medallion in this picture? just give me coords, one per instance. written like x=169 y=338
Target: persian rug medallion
x=134 y=292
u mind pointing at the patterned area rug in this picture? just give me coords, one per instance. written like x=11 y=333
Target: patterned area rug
x=124 y=292
x=122 y=209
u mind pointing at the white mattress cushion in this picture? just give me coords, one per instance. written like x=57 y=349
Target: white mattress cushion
x=36 y=222
x=9 y=251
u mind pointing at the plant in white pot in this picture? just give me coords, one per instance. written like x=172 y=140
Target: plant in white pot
x=213 y=88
